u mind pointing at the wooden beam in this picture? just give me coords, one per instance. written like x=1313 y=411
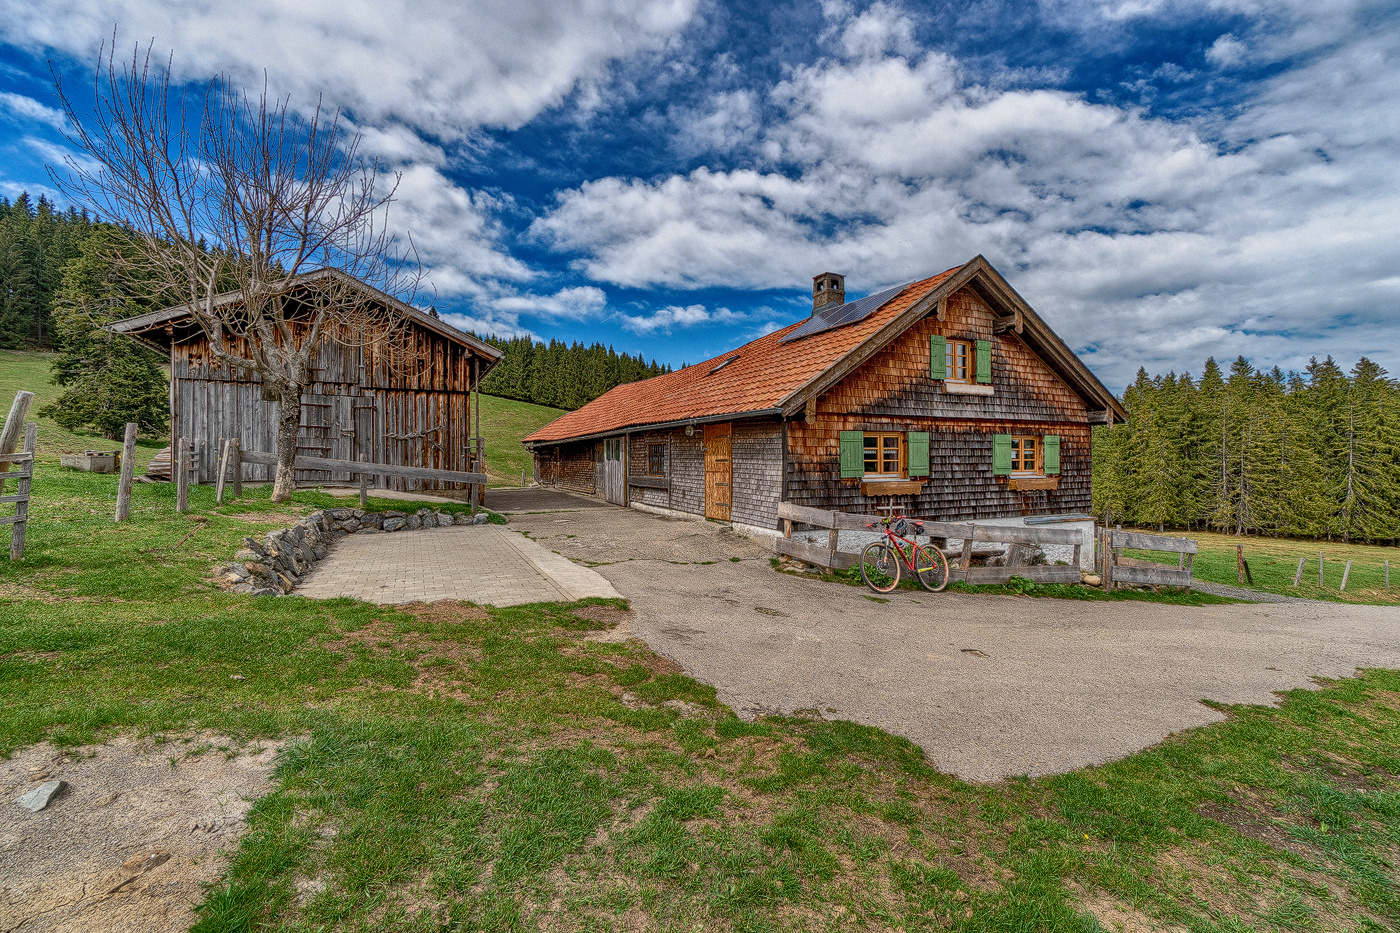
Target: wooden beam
x=817 y=555
x=21 y=518
x=182 y=475
x=13 y=429
x=373 y=469
x=1145 y=542
x=128 y=472
x=1153 y=576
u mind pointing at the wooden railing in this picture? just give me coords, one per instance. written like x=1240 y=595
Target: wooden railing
x=1118 y=569
x=960 y=563
x=234 y=456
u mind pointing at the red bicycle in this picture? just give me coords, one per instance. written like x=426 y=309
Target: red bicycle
x=881 y=560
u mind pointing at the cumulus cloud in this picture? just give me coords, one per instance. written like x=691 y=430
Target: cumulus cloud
x=578 y=303
x=665 y=320
x=1144 y=240
x=449 y=67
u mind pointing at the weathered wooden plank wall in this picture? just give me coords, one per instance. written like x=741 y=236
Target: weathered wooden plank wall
x=411 y=409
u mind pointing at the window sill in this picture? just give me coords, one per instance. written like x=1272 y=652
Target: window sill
x=649 y=482
x=967 y=388
x=891 y=487
x=1029 y=483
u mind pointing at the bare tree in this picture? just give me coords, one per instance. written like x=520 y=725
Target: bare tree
x=238 y=206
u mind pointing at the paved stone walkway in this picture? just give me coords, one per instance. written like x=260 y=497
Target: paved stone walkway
x=484 y=564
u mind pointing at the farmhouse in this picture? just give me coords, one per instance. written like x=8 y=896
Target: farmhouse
x=403 y=399
x=949 y=397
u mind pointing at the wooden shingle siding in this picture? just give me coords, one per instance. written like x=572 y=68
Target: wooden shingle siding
x=758 y=471
x=687 y=468
x=576 y=468
x=892 y=391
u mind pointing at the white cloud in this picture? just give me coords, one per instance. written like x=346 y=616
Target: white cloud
x=664 y=320
x=578 y=303
x=1146 y=241
x=448 y=67
x=1227 y=51
x=27 y=108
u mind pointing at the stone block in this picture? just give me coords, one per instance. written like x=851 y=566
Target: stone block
x=394 y=523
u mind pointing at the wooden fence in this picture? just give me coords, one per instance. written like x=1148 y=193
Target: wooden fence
x=234 y=456
x=20 y=520
x=1118 y=569
x=960 y=563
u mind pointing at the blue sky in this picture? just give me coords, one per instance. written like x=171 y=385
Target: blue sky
x=1162 y=181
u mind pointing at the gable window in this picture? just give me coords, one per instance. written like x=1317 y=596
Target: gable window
x=656 y=460
x=958 y=359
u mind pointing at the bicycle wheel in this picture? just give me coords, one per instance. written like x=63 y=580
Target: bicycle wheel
x=931 y=567
x=879 y=567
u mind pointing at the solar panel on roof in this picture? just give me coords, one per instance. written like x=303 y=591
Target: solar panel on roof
x=848 y=313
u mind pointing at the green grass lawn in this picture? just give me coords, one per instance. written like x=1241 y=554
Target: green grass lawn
x=459 y=768
x=1274 y=561
x=503 y=421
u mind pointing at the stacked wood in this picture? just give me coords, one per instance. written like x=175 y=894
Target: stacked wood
x=161 y=468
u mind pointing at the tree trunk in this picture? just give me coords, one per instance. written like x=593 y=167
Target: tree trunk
x=288 y=431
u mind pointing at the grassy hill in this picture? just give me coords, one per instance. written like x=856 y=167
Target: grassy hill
x=503 y=421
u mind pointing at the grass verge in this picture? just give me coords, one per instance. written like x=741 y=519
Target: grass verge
x=464 y=768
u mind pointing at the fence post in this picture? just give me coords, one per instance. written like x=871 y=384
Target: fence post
x=1298 y=577
x=1345 y=574
x=1387 y=574
x=128 y=471
x=14 y=426
x=182 y=476
x=237 y=468
x=522 y=477
x=1320 y=582
x=224 y=461
x=31 y=437
x=364 y=490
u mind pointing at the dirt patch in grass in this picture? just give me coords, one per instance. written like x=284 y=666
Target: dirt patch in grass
x=1258 y=820
x=1116 y=916
x=132 y=840
x=606 y=615
x=446 y=612
x=283 y=518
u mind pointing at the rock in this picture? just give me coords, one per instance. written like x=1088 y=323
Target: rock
x=390 y=513
x=40 y=797
x=341 y=515
x=1091 y=579
x=245 y=588
x=339 y=533
x=394 y=524
x=370 y=520
x=267 y=591
x=320 y=552
x=145 y=861
x=463 y=518
x=414 y=522
x=248 y=553
x=350 y=525
x=421 y=512
x=358 y=513
x=481 y=518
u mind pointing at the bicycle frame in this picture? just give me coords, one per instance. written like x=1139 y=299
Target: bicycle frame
x=904 y=547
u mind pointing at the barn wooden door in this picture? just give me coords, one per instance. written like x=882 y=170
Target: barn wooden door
x=314 y=438
x=719 y=470
x=342 y=434
x=600 y=477
x=367 y=412
x=612 y=470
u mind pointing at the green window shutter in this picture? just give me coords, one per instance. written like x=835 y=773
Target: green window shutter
x=1052 y=454
x=937 y=357
x=1001 y=454
x=852 y=454
x=918 y=453
x=984 y=361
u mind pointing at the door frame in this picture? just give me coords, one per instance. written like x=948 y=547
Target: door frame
x=712 y=506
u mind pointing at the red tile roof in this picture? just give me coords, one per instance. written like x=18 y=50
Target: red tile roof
x=760 y=377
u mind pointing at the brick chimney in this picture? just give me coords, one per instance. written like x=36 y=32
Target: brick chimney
x=828 y=290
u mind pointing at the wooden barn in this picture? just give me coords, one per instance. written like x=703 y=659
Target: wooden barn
x=949 y=397
x=408 y=400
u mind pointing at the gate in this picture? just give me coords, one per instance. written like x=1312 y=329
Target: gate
x=613 y=488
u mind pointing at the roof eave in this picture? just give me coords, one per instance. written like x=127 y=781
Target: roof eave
x=655 y=426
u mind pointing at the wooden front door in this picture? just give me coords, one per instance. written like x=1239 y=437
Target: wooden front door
x=719 y=470
x=612 y=471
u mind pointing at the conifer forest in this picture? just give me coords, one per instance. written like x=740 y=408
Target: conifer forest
x=560 y=374
x=1311 y=454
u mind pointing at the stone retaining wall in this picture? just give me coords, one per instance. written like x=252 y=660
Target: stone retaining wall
x=275 y=565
